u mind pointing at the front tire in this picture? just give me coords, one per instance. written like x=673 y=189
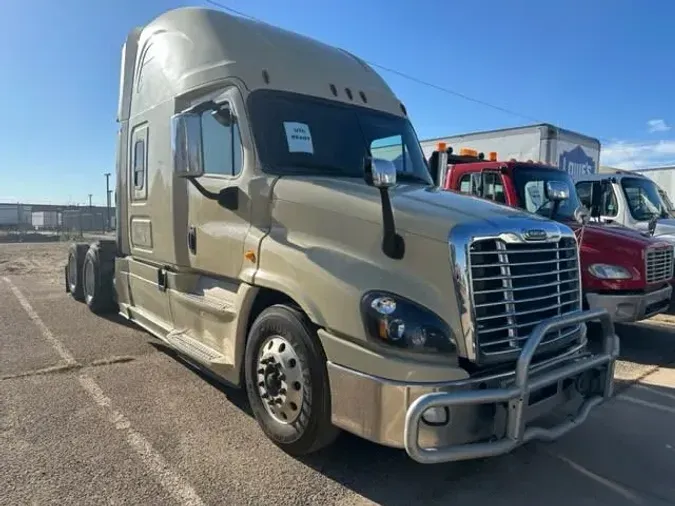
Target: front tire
x=287 y=381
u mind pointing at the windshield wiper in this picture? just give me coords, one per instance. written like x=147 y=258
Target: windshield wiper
x=319 y=169
x=411 y=178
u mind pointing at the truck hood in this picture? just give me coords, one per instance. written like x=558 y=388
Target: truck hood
x=611 y=235
x=428 y=212
x=665 y=226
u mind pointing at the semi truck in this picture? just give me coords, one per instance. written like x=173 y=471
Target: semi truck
x=628 y=198
x=570 y=151
x=266 y=233
x=622 y=271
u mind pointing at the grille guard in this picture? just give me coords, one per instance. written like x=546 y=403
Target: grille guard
x=517 y=396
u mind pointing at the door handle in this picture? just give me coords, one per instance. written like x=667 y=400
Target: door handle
x=192 y=239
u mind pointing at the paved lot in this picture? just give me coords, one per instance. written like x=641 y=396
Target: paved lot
x=94 y=411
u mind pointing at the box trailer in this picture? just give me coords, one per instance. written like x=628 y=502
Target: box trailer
x=570 y=151
x=664 y=177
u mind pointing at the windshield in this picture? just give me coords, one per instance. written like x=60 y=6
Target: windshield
x=644 y=201
x=297 y=134
x=666 y=201
x=530 y=182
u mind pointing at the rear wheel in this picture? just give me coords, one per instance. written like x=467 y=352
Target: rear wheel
x=98 y=273
x=74 y=285
x=287 y=381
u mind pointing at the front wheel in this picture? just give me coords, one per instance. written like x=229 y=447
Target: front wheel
x=287 y=381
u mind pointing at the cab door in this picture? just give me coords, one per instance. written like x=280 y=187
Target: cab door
x=217 y=228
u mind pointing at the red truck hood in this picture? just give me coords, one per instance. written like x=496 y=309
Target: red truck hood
x=604 y=236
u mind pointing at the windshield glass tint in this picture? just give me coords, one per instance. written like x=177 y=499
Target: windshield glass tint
x=530 y=183
x=296 y=134
x=643 y=198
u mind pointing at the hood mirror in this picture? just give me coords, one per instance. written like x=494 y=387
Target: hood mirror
x=382 y=175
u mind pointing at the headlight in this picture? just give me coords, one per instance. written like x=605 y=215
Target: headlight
x=405 y=324
x=606 y=271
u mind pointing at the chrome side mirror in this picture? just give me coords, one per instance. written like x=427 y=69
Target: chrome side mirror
x=383 y=173
x=186 y=144
x=557 y=191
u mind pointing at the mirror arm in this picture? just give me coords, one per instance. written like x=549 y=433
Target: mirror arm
x=206 y=193
x=392 y=244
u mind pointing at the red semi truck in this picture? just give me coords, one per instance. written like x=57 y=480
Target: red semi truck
x=623 y=271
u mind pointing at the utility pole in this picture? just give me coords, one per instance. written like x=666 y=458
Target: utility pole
x=90 y=201
x=107 y=195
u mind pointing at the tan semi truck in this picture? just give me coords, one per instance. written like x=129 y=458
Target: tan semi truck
x=278 y=227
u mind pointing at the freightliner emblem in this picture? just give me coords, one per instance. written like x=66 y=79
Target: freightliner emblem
x=535 y=234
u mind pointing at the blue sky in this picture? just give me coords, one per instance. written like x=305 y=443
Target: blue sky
x=605 y=68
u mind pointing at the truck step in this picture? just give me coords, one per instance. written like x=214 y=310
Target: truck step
x=197 y=350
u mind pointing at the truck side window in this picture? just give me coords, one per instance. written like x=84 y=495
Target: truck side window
x=584 y=191
x=221 y=145
x=493 y=188
x=610 y=206
x=465 y=183
x=139 y=164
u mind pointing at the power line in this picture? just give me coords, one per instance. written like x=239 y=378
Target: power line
x=404 y=75
x=413 y=78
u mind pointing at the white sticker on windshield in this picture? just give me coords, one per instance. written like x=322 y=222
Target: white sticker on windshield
x=298 y=137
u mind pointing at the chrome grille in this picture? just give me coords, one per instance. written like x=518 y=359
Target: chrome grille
x=516 y=286
x=659 y=264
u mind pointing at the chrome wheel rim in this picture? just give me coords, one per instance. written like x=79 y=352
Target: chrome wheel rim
x=279 y=376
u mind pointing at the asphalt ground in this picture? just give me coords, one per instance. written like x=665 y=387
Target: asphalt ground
x=96 y=411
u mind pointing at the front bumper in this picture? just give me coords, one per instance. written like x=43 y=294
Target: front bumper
x=486 y=416
x=632 y=308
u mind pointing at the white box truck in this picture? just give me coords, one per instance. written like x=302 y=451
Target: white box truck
x=573 y=152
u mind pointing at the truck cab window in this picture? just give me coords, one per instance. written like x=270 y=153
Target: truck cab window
x=584 y=191
x=493 y=188
x=298 y=134
x=393 y=149
x=465 y=183
x=221 y=147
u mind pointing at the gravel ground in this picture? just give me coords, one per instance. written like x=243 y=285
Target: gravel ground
x=95 y=411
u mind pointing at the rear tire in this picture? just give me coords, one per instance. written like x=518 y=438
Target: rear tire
x=98 y=273
x=76 y=254
x=293 y=409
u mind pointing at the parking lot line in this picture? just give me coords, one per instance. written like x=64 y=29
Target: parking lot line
x=654 y=391
x=175 y=485
x=46 y=333
x=647 y=404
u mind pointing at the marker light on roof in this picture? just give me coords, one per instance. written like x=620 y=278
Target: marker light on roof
x=492 y=156
x=468 y=152
x=441 y=146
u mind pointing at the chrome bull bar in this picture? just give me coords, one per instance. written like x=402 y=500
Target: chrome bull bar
x=517 y=396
